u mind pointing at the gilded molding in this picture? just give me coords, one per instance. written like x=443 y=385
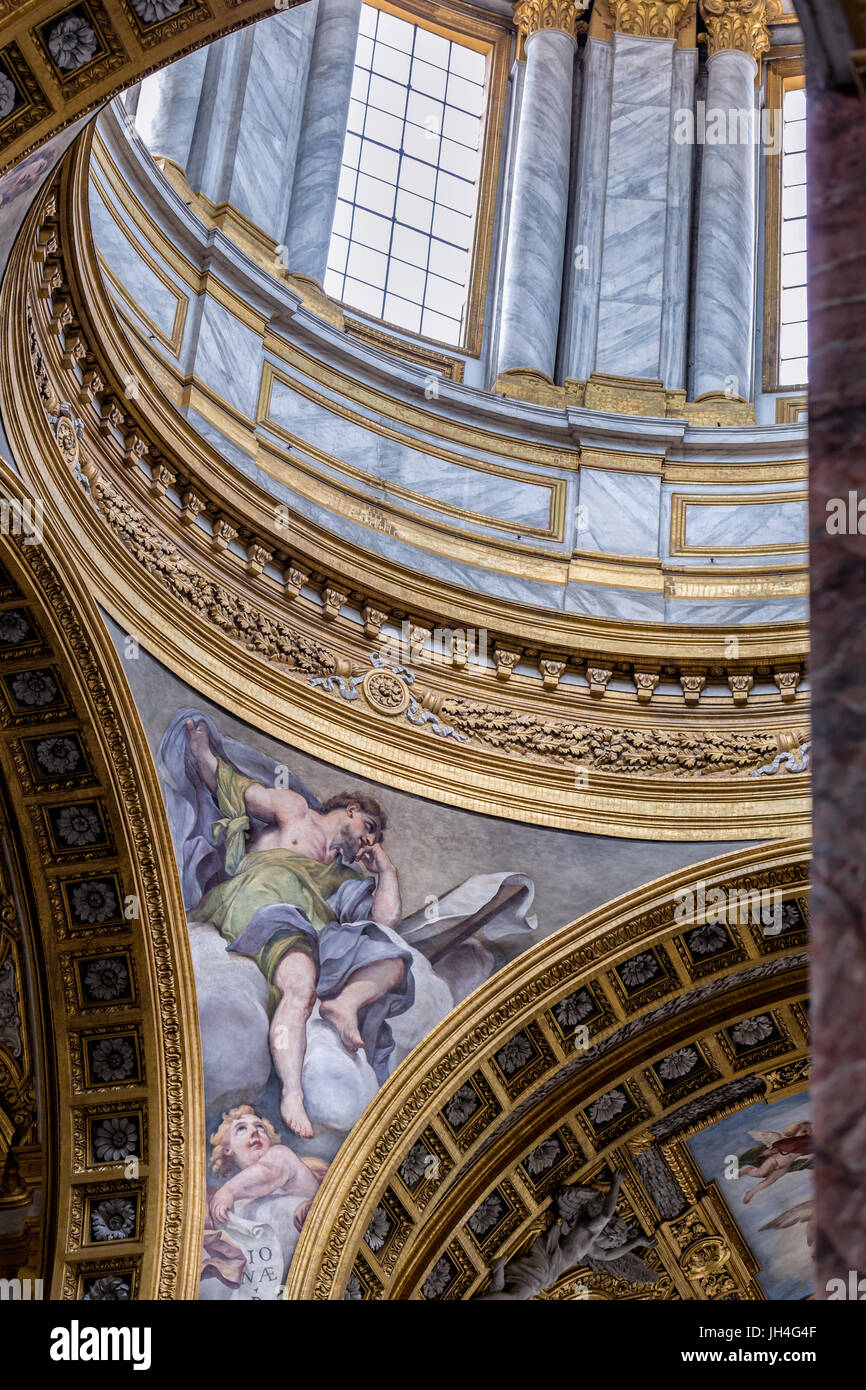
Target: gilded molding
x=738 y=25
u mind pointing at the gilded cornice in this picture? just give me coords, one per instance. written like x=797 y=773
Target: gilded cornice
x=187 y=558
x=739 y=25
x=508 y=1070
x=533 y=16
x=649 y=19
x=105 y=891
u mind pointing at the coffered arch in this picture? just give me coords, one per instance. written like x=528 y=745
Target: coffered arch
x=502 y=1077
x=94 y=863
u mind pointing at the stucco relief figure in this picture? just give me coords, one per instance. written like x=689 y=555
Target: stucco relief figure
x=307 y=891
x=587 y=1232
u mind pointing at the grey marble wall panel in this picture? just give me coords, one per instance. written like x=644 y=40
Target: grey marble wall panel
x=776 y=523
x=323 y=132
x=675 y=303
x=228 y=357
x=589 y=190
x=728 y=613
x=471 y=577
x=725 y=272
x=635 y=210
x=624 y=605
x=389 y=461
x=618 y=513
x=532 y=288
x=143 y=286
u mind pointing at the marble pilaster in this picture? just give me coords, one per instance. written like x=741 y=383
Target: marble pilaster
x=580 y=323
x=535 y=246
x=322 y=136
x=675 y=302
x=631 y=293
x=725 y=271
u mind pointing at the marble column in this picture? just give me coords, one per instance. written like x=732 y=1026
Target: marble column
x=678 y=231
x=837 y=448
x=535 y=246
x=167 y=106
x=323 y=133
x=583 y=265
x=725 y=272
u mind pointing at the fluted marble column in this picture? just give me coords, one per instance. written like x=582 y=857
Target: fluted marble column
x=584 y=271
x=323 y=133
x=725 y=273
x=535 y=246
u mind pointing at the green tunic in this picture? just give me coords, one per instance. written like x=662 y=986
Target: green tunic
x=265 y=878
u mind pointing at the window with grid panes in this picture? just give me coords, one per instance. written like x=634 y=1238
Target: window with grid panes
x=401 y=245
x=793 y=360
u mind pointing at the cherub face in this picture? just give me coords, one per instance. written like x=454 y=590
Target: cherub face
x=248 y=1140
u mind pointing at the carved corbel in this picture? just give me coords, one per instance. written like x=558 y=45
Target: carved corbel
x=373 y=619
x=192 y=507
x=787 y=682
x=692 y=686
x=223 y=534
x=257 y=557
x=552 y=671
x=740 y=685
x=294 y=580
x=645 y=684
x=506 y=659
x=598 y=677
x=332 y=601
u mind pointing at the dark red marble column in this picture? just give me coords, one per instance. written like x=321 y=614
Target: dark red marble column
x=837 y=464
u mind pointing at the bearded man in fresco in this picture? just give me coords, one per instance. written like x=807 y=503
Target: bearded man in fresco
x=305 y=891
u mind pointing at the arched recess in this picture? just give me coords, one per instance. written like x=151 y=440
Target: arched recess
x=502 y=1076
x=122 y=1066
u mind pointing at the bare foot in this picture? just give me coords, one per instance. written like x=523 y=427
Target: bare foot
x=345 y=1021
x=294 y=1114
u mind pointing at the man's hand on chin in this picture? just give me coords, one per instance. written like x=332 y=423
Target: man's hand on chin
x=376 y=859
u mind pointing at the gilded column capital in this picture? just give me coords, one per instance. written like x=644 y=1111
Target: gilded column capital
x=530 y=16
x=739 y=25
x=649 y=19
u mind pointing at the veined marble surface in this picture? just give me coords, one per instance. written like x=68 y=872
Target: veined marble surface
x=626 y=512
x=635 y=208
x=145 y=288
x=584 y=274
x=618 y=513
x=532 y=287
x=725 y=273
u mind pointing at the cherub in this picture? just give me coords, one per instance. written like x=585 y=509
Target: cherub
x=249 y=1144
x=779 y=1152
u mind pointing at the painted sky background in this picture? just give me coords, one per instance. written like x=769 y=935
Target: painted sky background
x=784 y=1256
